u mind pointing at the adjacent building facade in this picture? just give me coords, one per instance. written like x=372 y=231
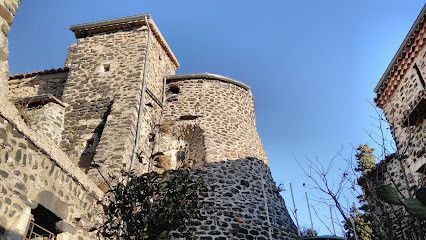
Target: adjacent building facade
x=401 y=94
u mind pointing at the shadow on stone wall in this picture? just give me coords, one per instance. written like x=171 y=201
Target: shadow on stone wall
x=86 y=158
x=234 y=205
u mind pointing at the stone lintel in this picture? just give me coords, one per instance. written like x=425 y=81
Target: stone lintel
x=40 y=99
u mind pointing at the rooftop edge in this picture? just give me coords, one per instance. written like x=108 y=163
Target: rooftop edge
x=406 y=41
x=212 y=76
x=84 y=29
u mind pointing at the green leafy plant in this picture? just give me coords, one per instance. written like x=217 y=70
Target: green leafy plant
x=154 y=205
x=414 y=206
x=389 y=195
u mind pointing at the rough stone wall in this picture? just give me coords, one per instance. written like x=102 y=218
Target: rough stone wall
x=236 y=193
x=29 y=176
x=223 y=110
x=212 y=121
x=8 y=10
x=410 y=140
x=32 y=170
x=44 y=118
x=390 y=221
x=97 y=96
x=38 y=85
x=49 y=120
x=400 y=170
x=159 y=66
x=104 y=104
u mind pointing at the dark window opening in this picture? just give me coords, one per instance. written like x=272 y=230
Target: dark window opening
x=90 y=144
x=106 y=67
x=420 y=75
x=180 y=155
x=188 y=117
x=174 y=89
x=45 y=219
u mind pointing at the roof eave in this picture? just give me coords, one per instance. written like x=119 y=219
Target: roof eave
x=400 y=50
x=97 y=24
x=104 y=25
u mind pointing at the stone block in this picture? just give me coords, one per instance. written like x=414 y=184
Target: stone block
x=4 y=48
x=12 y=5
x=64 y=226
x=4 y=76
x=4 y=27
x=65 y=236
x=53 y=203
x=5 y=13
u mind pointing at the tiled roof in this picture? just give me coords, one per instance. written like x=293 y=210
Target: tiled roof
x=33 y=74
x=402 y=60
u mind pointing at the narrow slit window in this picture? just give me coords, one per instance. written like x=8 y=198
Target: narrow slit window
x=422 y=81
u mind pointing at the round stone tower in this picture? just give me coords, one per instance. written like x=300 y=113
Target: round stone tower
x=211 y=119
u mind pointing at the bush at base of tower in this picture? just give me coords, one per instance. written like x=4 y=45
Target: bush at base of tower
x=154 y=205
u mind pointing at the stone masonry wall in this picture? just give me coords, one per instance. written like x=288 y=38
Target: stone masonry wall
x=104 y=103
x=29 y=177
x=223 y=110
x=210 y=119
x=236 y=193
x=8 y=10
x=32 y=171
x=410 y=140
x=159 y=66
x=48 y=119
x=38 y=85
x=400 y=170
x=390 y=221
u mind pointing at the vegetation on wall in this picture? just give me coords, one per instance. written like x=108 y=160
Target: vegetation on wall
x=154 y=205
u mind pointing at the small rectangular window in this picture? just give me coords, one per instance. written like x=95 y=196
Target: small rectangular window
x=106 y=67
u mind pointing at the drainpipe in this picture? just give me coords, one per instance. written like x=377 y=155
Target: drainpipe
x=266 y=203
x=138 y=131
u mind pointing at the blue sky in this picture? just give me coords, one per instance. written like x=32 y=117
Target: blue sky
x=312 y=65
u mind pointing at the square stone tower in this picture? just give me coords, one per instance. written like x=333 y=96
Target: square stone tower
x=104 y=89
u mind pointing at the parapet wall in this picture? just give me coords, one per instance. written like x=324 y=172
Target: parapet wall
x=38 y=83
x=222 y=108
x=34 y=172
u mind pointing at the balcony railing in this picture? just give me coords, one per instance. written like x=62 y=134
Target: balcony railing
x=36 y=232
